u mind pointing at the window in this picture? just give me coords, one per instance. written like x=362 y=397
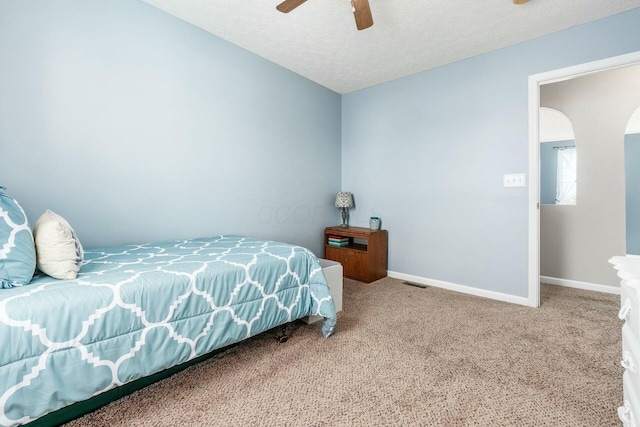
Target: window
x=566 y=182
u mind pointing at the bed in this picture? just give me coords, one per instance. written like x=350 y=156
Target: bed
x=137 y=310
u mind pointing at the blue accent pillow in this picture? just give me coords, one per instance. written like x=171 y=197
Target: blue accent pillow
x=17 y=250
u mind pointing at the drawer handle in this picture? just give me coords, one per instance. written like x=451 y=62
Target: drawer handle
x=624 y=413
x=627 y=361
x=624 y=310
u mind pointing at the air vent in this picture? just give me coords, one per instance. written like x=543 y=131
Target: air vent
x=415 y=285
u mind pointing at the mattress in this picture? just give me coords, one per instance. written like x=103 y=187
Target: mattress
x=139 y=309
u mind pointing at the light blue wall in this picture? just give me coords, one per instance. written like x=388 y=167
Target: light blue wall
x=137 y=126
x=632 y=191
x=549 y=170
x=427 y=153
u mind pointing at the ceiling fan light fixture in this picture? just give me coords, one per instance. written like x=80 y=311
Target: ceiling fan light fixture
x=520 y=1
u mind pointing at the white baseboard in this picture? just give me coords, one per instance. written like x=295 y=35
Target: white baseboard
x=580 y=285
x=460 y=288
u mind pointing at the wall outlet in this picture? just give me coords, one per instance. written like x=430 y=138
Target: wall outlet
x=513 y=180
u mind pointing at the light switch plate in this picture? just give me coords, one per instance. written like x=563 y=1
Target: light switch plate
x=514 y=180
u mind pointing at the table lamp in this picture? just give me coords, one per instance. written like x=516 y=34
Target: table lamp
x=344 y=201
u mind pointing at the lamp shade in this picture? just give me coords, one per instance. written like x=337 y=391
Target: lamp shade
x=344 y=200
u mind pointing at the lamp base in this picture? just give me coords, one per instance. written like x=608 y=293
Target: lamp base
x=344 y=218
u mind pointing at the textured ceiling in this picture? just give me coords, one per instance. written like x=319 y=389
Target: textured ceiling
x=319 y=39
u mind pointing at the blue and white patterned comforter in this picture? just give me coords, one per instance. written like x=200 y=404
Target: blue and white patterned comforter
x=137 y=310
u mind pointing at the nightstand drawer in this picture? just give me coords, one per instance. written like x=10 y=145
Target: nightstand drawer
x=629 y=411
x=353 y=261
x=631 y=356
x=630 y=307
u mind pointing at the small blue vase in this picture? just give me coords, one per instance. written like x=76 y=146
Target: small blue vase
x=374 y=223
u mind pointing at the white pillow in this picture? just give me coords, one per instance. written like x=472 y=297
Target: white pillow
x=58 y=250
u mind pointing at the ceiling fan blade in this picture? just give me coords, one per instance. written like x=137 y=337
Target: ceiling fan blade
x=362 y=14
x=288 y=5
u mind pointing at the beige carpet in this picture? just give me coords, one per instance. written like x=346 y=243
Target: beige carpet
x=406 y=356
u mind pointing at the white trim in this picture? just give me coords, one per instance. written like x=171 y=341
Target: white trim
x=535 y=81
x=580 y=285
x=459 y=288
x=534 y=194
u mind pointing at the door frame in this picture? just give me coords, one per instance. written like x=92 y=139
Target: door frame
x=535 y=81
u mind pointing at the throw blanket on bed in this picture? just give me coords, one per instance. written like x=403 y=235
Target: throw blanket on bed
x=136 y=310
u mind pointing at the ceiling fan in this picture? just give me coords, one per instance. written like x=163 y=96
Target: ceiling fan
x=360 y=8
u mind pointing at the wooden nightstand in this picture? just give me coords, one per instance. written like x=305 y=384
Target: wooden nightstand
x=365 y=256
